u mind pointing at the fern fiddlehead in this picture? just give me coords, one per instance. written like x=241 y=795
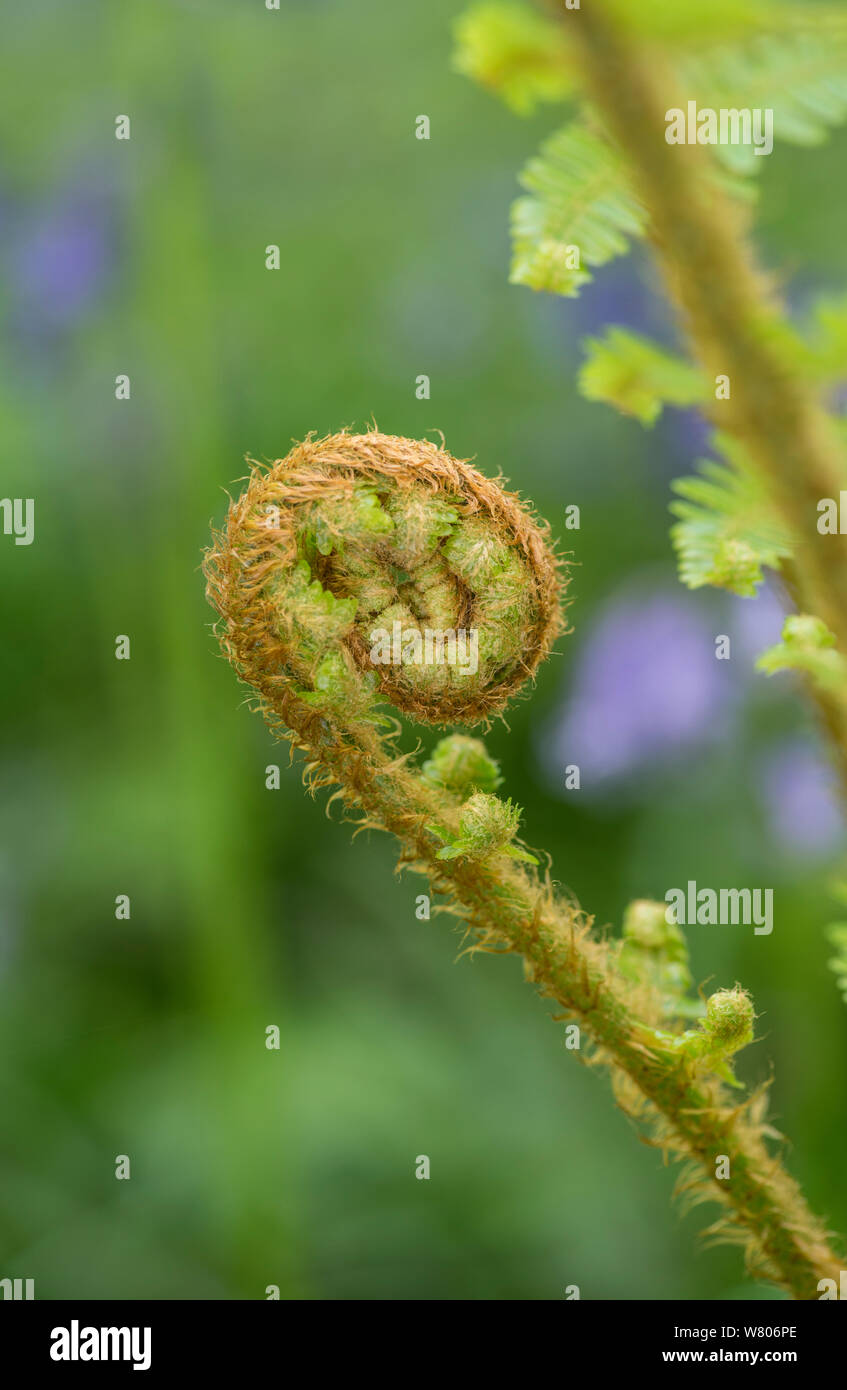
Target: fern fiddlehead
x=355 y=535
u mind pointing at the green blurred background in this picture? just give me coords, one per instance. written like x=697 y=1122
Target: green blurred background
x=146 y=1037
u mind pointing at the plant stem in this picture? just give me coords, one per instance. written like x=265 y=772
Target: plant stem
x=509 y=907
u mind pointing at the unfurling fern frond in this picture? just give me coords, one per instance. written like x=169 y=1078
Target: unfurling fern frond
x=801 y=78
x=581 y=212
x=728 y=528
x=638 y=376
x=513 y=51
x=355 y=534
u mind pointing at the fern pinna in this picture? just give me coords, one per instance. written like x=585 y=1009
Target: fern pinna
x=351 y=534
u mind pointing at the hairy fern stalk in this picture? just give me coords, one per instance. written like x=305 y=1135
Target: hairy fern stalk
x=355 y=532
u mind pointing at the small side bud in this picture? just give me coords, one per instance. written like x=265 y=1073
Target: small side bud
x=462 y=764
x=487 y=823
x=645 y=926
x=655 y=951
x=729 y=1021
x=725 y=1029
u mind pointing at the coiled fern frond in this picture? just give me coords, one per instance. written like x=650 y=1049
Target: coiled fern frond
x=354 y=533
x=357 y=533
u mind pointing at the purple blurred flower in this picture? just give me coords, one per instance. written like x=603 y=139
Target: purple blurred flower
x=801 y=799
x=756 y=624
x=686 y=438
x=648 y=687
x=58 y=259
x=619 y=294
x=622 y=295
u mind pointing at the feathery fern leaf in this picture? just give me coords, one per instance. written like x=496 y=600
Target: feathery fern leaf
x=727 y=529
x=637 y=376
x=801 y=77
x=580 y=213
x=515 y=52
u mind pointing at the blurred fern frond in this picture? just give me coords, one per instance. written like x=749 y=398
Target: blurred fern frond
x=514 y=52
x=802 y=78
x=808 y=646
x=580 y=212
x=637 y=376
x=728 y=529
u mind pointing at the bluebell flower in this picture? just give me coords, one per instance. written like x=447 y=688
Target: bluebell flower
x=799 y=791
x=648 y=687
x=58 y=258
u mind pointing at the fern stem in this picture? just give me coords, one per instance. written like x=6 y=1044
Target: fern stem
x=354 y=528
x=730 y=314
